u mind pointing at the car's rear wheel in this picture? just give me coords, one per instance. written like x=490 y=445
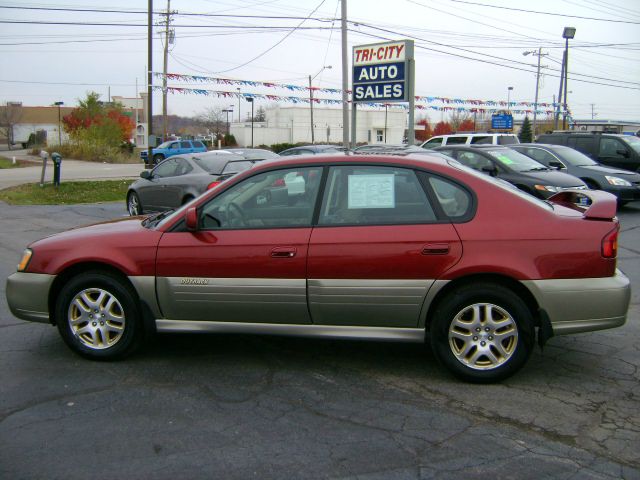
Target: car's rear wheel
x=482 y=332
x=98 y=316
x=134 y=207
x=157 y=158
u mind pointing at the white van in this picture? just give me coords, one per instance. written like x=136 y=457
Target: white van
x=471 y=139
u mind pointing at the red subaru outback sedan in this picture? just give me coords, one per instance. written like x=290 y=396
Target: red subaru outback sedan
x=403 y=248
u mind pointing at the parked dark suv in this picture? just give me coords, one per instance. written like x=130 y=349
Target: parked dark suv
x=620 y=151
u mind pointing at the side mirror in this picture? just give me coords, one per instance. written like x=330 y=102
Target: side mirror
x=146 y=174
x=491 y=170
x=556 y=165
x=191 y=219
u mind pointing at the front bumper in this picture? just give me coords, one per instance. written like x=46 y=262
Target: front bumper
x=583 y=304
x=626 y=194
x=28 y=295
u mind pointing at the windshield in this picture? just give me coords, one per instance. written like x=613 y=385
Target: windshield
x=633 y=142
x=575 y=158
x=516 y=160
x=165 y=144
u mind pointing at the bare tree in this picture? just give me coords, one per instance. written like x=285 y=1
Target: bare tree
x=456 y=118
x=214 y=119
x=10 y=114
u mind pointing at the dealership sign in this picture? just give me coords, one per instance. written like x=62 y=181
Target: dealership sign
x=381 y=72
x=502 y=122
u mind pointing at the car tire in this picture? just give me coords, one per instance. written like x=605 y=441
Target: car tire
x=157 y=158
x=98 y=316
x=482 y=332
x=134 y=207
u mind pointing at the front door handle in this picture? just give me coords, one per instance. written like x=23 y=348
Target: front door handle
x=435 y=249
x=284 y=252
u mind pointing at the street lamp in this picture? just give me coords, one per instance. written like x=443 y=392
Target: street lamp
x=509 y=89
x=539 y=54
x=239 y=95
x=311 y=98
x=568 y=32
x=58 y=104
x=250 y=100
x=228 y=111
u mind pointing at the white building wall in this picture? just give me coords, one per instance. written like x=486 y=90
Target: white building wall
x=293 y=125
x=22 y=131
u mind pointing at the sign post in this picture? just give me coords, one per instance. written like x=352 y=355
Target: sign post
x=384 y=73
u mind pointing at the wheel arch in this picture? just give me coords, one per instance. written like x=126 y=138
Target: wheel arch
x=508 y=282
x=73 y=270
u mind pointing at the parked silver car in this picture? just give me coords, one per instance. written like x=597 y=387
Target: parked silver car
x=181 y=178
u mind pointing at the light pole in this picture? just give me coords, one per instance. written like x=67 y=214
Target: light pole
x=539 y=54
x=509 y=89
x=568 y=32
x=250 y=100
x=386 y=105
x=59 y=104
x=311 y=99
x=228 y=111
x=239 y=95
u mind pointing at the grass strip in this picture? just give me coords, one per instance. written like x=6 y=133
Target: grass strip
x=67 y=193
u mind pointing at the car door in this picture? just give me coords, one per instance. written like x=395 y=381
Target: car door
x=378 y=247
x=152 y=192
x=247 y=261
x=177 y=186
x=614 y=152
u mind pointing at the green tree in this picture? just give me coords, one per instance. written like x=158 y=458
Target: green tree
x=525 y=134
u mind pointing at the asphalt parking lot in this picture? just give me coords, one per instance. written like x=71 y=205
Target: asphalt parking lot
x=263 y=407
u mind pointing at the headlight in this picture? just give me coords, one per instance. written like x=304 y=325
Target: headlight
x=26 y=256
x=548 y=188
x=620 y=182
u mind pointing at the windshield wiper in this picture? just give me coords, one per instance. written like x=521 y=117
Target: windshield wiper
x=154 y=219
x=537 y=169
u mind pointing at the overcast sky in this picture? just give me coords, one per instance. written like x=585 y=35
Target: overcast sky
x=464 y=49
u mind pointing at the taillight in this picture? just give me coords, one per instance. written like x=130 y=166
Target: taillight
x=213 y=184
x=610 y=244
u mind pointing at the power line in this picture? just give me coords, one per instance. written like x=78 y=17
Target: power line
x=543 y=13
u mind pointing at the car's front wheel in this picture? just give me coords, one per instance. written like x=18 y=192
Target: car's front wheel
x=98 y=316
x=157 y=158
x=134 y=207
x=482 y=332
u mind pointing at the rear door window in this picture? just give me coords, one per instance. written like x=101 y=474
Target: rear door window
x=361 y=195
x=582 y=144
x=456 y=140
x=483 y=139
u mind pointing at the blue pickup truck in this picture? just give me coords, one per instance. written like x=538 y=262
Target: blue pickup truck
x=173 y=147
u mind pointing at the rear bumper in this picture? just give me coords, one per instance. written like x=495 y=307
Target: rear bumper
x=583 y=304
x=28 y=296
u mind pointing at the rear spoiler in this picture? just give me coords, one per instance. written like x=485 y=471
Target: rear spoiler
x=603 y=205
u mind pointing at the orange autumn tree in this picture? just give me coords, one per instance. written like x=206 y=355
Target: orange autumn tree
x=442 y=128
x=422 y=135
x=98 y=123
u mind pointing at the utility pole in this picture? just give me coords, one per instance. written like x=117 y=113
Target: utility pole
x=593 y=114
x=149 y=80
x=169 y=35
x=345 y=77
x=539 y=54
x=564 y=59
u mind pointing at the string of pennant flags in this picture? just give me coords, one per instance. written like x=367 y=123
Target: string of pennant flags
x=450 y=104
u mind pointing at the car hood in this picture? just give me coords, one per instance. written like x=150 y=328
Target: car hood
x=555 y=178
x=627 y=174
x=122 y=243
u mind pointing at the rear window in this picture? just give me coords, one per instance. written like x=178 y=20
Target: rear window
x=507 y=140
x=212 y=164
x=481 y=139
x=237 y=167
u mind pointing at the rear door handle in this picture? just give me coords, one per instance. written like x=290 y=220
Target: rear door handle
x=435 y=249
x=284 y=252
